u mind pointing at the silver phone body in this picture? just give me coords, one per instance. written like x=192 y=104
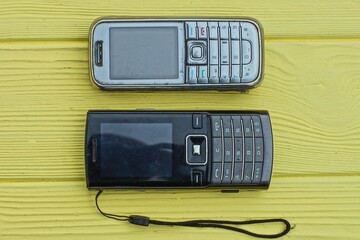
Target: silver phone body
x=175 y=54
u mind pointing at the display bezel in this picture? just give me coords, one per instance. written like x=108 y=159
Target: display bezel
x=181 y=171
x=101 y=33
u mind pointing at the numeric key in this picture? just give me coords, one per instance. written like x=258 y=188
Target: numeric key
x=224 y=75
x=259 y=150
x=224 y=52
x=191 y=30
x=235 y=52
x=257 y=173
x=202 y=28
x=216 y=173
x=248 y=150
x=217 y=150
x=214 y=52
x=191 y=74
x=216 y=126
x=235 y=73
x=235 y=30
x=203 y=73
x=247 y=126
x=224 y=30
x=213 y=30
x=257 y=126
x=214 y=74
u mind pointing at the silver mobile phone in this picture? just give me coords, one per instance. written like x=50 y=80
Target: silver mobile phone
x=135 y=54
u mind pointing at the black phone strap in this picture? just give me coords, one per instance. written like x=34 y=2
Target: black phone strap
x=146 y=221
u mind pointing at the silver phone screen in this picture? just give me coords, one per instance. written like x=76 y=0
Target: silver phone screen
x=144 y=53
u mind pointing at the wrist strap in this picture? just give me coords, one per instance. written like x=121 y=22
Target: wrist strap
x=146 y=221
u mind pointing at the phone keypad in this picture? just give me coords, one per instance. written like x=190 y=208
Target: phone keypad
x=222 y=52
x=237 y=149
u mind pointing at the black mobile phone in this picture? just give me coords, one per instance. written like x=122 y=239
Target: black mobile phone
x=149 y=149
x=135 y=54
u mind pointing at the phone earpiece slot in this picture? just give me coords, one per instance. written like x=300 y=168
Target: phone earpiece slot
x=94 y=149
x=99 y=53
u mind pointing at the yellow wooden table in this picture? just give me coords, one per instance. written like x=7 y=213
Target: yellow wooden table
x=311 y=89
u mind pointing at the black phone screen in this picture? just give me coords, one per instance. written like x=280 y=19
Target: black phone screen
x=136 y=150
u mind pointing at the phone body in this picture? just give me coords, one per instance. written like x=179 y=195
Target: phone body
x=203 y=54
x=134 y=149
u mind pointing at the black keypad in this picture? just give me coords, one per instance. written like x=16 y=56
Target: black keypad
x=237 y=149
x=247 y=173
x=221 y=52
x=216 y=173
x=237 y=126
x=228 y=150
x=257 y=126
x=237 y=173
x=227 y=173
x=227 y=126
x=259 y=150
x=248 y=150
x=217 y=150
x=215 y=126
x=257 y=173
x=247 y=126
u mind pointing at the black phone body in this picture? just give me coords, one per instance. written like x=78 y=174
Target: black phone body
x=132 y=149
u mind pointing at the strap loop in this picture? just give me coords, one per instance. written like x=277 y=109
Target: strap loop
x=146 y=221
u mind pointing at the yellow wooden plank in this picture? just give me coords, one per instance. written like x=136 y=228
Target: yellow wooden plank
x=321 y=208
x=68 y=19
x=311 y=90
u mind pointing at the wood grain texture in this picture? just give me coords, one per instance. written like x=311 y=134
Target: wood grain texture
x=68 y=19
x=311 y=90
x=66 y=210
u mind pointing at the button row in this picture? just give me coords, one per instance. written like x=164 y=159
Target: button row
x=242 y=126
x=237 y=149
x=213 y=30
x=227 y=52
x=205 y=74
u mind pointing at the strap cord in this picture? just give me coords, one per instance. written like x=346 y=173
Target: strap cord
x=145 y=221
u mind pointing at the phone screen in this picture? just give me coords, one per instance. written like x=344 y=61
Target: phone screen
x=136 y=150
x=144 y=53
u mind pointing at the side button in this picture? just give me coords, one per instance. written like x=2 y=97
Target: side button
x=196 y=178
x=197 y=121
